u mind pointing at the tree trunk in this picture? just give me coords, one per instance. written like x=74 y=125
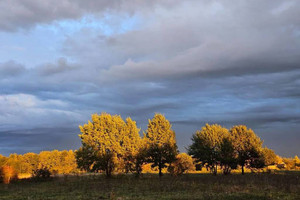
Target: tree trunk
x=107 y=172
x=243 y=170
x=227 y=170
x=216 y=170
x=160 y=168
x=137 y=170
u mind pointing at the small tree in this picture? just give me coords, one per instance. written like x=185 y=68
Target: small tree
x=182 y=164
x=160 y=142
x=247 y=145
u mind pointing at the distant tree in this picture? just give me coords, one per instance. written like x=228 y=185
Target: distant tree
x=50 y=160
x=67 y=162
x=289 y=163
x=30 y=162
x=296 y=161
x=228 y=156
x=3 y=160
x=270 y=158
x=160 y=142
x=182 y=164
x=247 y=145
x=206 y=145
x=16 y=162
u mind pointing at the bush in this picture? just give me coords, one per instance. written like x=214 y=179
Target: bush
x=7 y=174
x=183 y=163
x=42 y=173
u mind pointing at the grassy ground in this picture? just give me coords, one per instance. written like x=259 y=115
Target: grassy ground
x=150 y=186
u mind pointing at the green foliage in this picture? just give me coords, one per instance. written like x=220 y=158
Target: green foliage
x=85 y=158
x=228 y=157
x=206 y=145
x=160 y=142
x=134 y=162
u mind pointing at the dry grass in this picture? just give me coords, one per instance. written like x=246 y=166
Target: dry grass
x=190 y=186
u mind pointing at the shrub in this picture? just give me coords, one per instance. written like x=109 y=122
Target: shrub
x=182 y=164
x=42 y=173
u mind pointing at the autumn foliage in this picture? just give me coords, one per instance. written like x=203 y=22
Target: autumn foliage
x=7 y=173
x=113 y=145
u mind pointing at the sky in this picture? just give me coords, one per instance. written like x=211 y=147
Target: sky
x=195 y=61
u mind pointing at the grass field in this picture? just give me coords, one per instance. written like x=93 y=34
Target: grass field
x=150 y=186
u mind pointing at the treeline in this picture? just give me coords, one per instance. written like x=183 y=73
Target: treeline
x=111 y=144
x=57 y=162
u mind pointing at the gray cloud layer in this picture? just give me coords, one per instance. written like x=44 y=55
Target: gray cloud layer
x=196 y=61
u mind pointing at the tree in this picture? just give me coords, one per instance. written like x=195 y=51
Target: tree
x=133 y=148
x=50 y=160
x=85 y=158
x=297 y=161
x=3 y=160
x=7 y=173
x=247 y=145
x=206 y=145
x=269 y=155
x=103 y=138
x=67 y=162
x=107 y=143
x=30 y=162
x=228 y=157
x=160 y=141
x=183 y=163
x=16 y=162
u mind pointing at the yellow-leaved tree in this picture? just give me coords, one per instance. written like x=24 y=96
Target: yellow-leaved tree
x=248 y=147
x=106 y=141
x=183 y=163
x=132 y=148
x=160 y=142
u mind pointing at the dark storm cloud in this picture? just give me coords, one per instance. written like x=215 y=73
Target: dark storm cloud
x=39 y=139
x=195 y=61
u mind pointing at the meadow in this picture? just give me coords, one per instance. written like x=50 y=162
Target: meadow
x=283 y=185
